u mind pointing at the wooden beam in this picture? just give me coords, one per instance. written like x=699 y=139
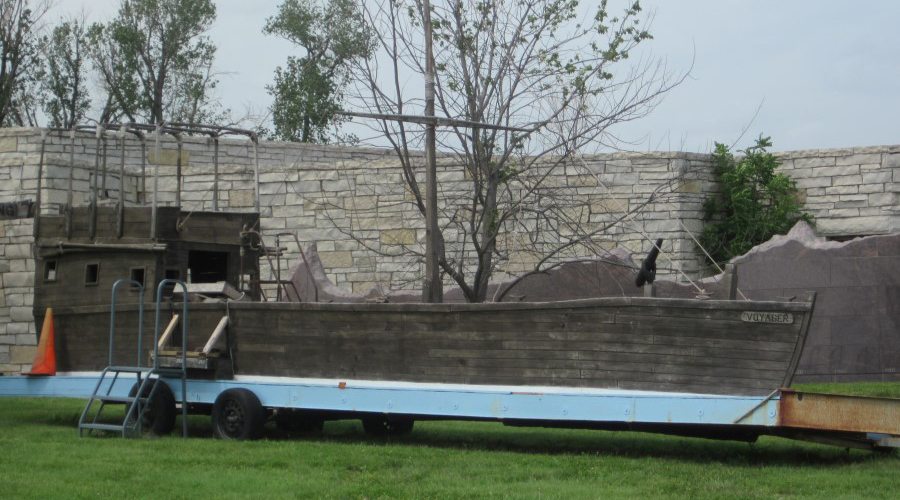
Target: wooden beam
x=216 y=334
x=436 y=120
x=168 y=333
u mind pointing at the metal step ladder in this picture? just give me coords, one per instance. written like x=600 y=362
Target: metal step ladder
x=144 y=390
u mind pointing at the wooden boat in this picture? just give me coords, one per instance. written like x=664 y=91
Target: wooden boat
x=637 y=343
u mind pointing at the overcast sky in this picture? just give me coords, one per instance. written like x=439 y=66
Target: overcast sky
x=822 y=74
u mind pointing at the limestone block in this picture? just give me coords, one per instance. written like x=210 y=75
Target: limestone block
x=842 y=190
x=8 y=144
x=814 y=162
x=361 y=202
x=609 y=205
x=398 y=237
x=846 y=180
x=21 y=354
x=18 y=251
x=892 y=161
x=20 y=280
x=858 y=159
x=3 y=229
x=23 y=339
x=812 y=182
x=21 y=313
x=11 y=369
x=690 y=187
x=168 y=157
x=241 y=198
x=626 y=179
x=339 y=186
x=451 y=176
x=337 y=260
x=317 y=175
x=871 y=188
x=581 y=181
x=876 y=177
x=870 y=211
x=852 y=204
x=883 y=199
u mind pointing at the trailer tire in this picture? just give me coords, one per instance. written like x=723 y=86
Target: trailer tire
x=238 y=414
x=159 y=417
x=382 y=426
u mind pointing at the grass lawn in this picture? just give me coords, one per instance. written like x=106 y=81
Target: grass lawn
x=42 y=457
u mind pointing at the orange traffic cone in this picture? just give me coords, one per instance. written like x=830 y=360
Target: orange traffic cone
x=45 y=356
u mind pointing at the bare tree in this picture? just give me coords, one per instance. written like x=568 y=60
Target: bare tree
x=20 y=63
x=546 y=65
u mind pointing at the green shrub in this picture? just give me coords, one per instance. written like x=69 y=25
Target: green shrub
x=754 y=203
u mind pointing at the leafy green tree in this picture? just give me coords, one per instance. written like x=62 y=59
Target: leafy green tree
x=155 y=62
x=308 y=91
x=20 y=60
x=64 y=93
x=754 y=204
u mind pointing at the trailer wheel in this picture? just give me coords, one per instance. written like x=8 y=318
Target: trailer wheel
x=159 y=417
x=382 y=426
x=238 y=414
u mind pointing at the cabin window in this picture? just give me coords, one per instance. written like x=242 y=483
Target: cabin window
x=50 y=271
x=207 y=267
x=137 y=274
x=92 y=274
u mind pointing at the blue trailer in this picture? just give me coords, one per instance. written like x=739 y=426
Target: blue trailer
x=240 y=407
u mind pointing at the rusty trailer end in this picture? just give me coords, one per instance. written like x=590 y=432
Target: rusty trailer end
x=852 y=421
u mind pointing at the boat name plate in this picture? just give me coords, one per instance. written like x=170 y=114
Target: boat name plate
x=767 y=317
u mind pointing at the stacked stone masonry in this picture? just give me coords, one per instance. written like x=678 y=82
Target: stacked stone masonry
x=354 y=204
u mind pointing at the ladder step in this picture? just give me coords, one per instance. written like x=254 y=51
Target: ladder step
x=129 y=369
x=114 y=399
x=169 y=372
x=104 y=427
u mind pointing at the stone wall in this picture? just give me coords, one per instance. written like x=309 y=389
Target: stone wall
x=353 y=203
x=850 y=192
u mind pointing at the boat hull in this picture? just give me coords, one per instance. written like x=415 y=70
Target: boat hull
x=653 y=344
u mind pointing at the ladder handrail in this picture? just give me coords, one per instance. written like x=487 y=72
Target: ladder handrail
x=184 y=339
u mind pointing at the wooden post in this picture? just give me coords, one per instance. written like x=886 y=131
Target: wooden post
x=69 y=197
x=120 y=209
x=178 y=173
x=143 y=200
x=155 y=185
x=92 y=227
x=255 y=140
x=730 y=282
x=103 y=178
x=37 y=194
x=215 y=200
x=432 y=289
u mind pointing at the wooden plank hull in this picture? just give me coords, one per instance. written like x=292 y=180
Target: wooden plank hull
x=654 y=344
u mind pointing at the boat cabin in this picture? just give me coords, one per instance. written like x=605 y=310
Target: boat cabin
x=81 y=255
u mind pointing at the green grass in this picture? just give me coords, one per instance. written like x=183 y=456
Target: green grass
x=42 y=457
x=872 y=389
